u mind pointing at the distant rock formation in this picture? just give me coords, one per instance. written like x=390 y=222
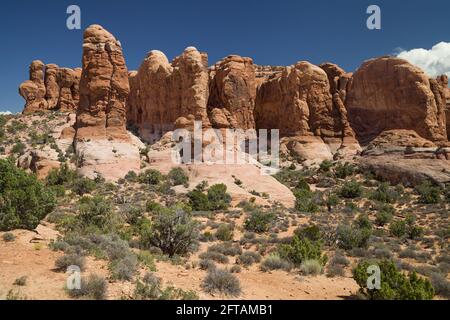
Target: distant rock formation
x=102 y=143
x=50 y=88
x=232 y=93
x=162 y=92
x=389 y=93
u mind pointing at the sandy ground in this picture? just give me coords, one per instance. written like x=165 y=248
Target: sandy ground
x=30 y=256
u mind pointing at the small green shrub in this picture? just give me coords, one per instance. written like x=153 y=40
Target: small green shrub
x=300 y=250
x=151 y=177
x=8 y=237
x=311 y=232
x=326 y=165
x=82 y=185
x=21 y=281
x=350 y=237
x=177 y=176
x=305 y=201
x=351 y=189
x=224 y=232
x=342 y=171
x=394 y=284
x=311 y=267
x=428 y=194
x=397 y=228
x=384 y=193
x=218 y=197
x=259 y=221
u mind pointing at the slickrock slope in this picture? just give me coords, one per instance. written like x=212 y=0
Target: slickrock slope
x=162 y=92
x=389 y=93
x=50 y=88
x=102 y=143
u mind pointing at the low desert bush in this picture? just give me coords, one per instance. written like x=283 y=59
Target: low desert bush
x=177 y=176
x=259 y=221
x=302 y=249
x=428 y=194
x=224 y=232
x=275 y=262
x=351 y=189
x=311 y=267
x=67 y=260
x=92 y=287
x=8 y=237
x=248 y=258
x=222 y=281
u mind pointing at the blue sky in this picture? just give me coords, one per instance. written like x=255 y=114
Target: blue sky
x=278 y=32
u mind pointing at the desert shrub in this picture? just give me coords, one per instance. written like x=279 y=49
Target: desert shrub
x=384 y=193
x=290 y=178
x=224 y=232
x=198 y=200
x=363 y=222
x=92 y=287
x=299 y=250
x=152 y=206
x=218 y=280
x=174 y=230
x=326 y=165
x=342 y=171
x=305 y=201
x=384 y=215
x=151 y=177
x=394 y=284
x=150 y=288
x=21 y=281
x=24 y=201
x=351 y=189
x=18 y=148
x=8 y=237
x=302 y=185
x=177 y=176
x=123 y=268
x=331 y=201
x=214 y=256
x=275 y=262
x=397 y=228
x=147 y=259
x=206 y=264
x=226 y=248
x=95 y=213
x=350 y=237
x=339 y=259
x=259 y=221
x=428 y=194
x=61 y=176
x=311 y=232
x=218 y=197
x=335 y=270
x=248 y=258
x=441 y=285
x=131 y=176
x=311 y=267
x=82 y=185
x=67 y=260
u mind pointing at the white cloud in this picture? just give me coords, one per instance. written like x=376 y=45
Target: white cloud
x=5 y=112
x=434 y=62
